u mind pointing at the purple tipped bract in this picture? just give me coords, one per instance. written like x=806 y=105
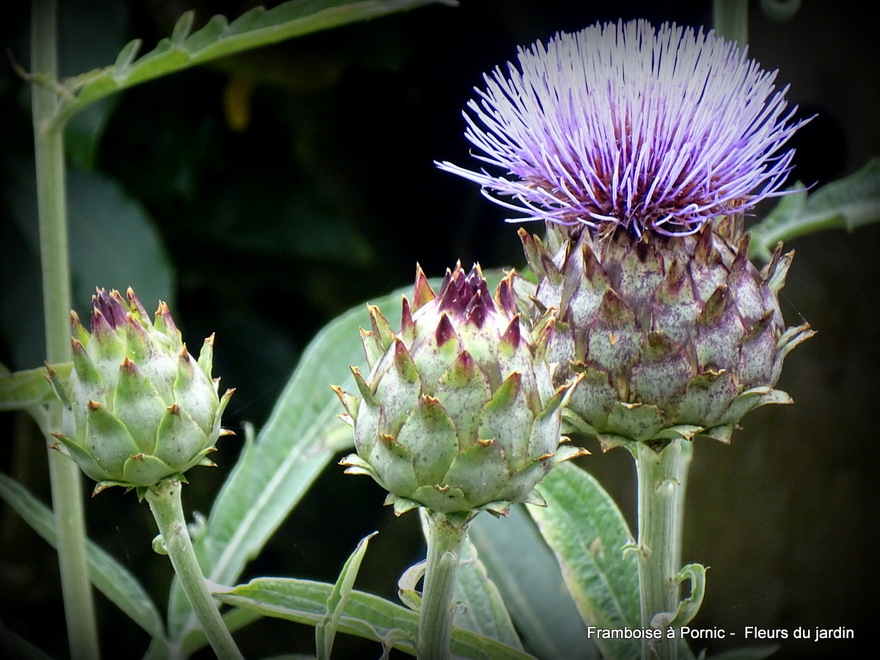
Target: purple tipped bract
x=110 y=306
x=466 y=296
x=624 y=125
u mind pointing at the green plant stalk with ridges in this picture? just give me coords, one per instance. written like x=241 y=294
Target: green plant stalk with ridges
x=165 y=504
x=662 y=482
x=446 y=535
x=64 y=474
x=730 y=19
x=662 y=475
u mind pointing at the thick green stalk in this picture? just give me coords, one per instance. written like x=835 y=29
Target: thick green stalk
x=164 y=500
x=730 y=19
x=445 y=539
x=662 y=481
x=64 y=474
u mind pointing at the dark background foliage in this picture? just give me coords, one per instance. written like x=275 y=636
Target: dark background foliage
x=284 y=186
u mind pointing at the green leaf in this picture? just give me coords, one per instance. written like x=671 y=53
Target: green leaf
x=105 y=22
x=588 y=534
x=407 y=586
x=126 y=57
x=113 y=243
x=365 y=615
x=275 y=470
x=531 y=584
x=108 y=576
x=24 y=389
x=219 y=38
x=183 y=27
x=325 y=631
x=695 y=575
x=844 y=204
x=481 y=607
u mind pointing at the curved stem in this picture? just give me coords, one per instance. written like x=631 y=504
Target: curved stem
x=445 y=539
x=64 y=475
x=662 y=481
x=164 y=500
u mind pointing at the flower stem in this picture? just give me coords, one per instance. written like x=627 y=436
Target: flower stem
x=445 y=538
x=730 y=19
x=64 y=474
x=164 y=500
x=662 y=481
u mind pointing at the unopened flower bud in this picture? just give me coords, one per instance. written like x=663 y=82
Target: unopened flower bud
x=457 y=414
x=138 y=408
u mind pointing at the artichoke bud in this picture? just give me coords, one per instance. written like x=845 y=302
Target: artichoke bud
x=457 y=413
x=673 y=336
x=138 y=408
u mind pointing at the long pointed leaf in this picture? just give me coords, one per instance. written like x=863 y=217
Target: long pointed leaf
x=483 y=609
x=20 y=390
x=108 y=575
x=366 y=615
x=845 y=204
x=529 y=579
x=219 y=38
x=588 y=534
x=276 y=469
x=325 y=631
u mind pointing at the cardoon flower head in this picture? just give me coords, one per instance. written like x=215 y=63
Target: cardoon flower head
x=641 y=149
x=458 y=414
x=138 y=408
x=622 y=125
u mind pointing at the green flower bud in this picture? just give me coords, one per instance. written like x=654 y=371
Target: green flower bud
x=673 y=336
x=138 y=408
x=457 y=414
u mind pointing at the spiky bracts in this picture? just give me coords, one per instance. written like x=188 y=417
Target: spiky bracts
x=138 y=408
x=457 y=414
x=673 y=337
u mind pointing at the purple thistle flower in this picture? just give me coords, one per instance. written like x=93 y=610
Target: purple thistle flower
x=624 y=125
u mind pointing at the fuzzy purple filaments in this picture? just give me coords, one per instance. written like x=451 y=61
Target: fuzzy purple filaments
x=622 y=125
